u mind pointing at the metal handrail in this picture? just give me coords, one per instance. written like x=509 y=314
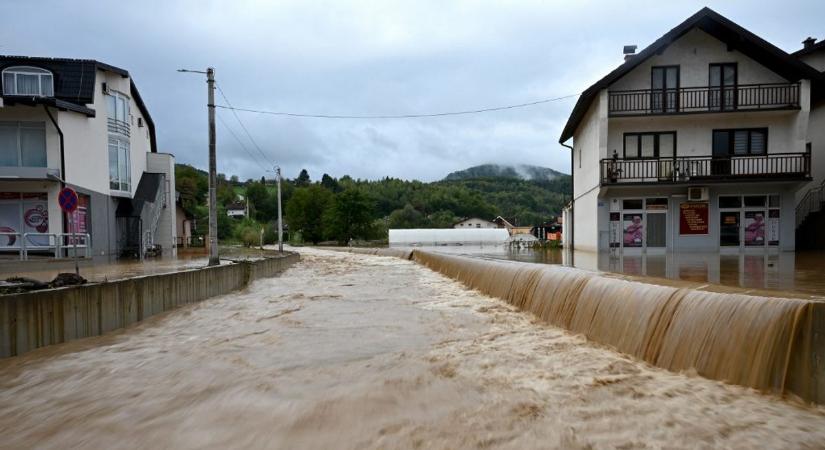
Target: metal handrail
x=704 y=99
x=810 y=203
x=684 y=168
x=118 y=126
x=55 y=243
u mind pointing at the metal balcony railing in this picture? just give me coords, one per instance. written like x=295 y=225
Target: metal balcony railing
x=744 y=97
x=699 y=169
x=119 y=127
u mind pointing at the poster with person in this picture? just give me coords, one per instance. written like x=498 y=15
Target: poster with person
x=633 y=230
x=754 y=228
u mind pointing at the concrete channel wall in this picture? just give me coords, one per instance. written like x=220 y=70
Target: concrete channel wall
x=40 y=318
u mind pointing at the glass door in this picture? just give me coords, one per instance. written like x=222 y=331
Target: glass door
x=722 y=83
x=729 y=230
x=664 y=89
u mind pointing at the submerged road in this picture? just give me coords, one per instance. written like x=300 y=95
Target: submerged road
x=351 y=351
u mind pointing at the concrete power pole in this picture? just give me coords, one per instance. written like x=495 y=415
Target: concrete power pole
x=280 y=219
x=213 y=200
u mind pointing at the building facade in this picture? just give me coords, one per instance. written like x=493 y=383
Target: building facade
x=81 y=123
x=474 y=222
x=700 y=142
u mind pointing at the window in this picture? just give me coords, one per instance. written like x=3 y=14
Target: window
x=740 y=142
x=22 y=144
x=632 y=204
x=22 y=80
x=650 y=145
x=722 y=80
x=118 y=106
x=119 y=167
x=664 y=89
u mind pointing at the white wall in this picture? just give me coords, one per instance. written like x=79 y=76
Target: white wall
x=693 y=52
x=694 y=132
x=21 y=113
x=167 y=230
x=815 y=60
x=475 y=223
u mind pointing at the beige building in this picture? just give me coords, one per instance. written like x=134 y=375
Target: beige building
x=700 y=142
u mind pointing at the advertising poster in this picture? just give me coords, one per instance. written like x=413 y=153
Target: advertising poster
x=36 y=220
x=773 y=227
x=754 y=228
x=693 y=218
x=615 y=230
x=80 y=218
x=633 y=230
x=9 y=221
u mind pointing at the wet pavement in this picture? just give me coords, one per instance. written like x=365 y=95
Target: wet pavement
x=351 y=351
x=99 y=270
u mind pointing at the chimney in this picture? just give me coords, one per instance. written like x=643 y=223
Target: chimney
x=629 y=51
x=808 y=43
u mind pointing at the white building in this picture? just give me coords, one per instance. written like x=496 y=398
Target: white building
x=474 y=222
x=84 y=122
x=700 y=142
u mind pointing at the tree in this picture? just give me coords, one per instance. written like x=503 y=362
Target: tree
x=349 y=216
x=330 y=183
x=305 y=212
x=234 y=179
x=303 y=179
x=259 y=199
x=442 y=219
x=407 y=217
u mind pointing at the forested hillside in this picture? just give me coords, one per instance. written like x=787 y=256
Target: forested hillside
x=346 y=208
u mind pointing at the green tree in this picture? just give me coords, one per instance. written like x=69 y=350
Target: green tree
x=349 y=216
x=305 y=212
x=330 y=183
x=260 y=201
x=303 y=179
x=406 y=217
x=442 y=219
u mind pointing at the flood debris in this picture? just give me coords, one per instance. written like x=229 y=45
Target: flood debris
x=18 y=285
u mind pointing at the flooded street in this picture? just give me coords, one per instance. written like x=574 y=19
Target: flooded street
x=350 y=351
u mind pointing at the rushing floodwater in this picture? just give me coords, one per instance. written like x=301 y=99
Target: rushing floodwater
x=351 y=351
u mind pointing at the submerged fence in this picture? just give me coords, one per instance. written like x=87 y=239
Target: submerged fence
x=40 y=318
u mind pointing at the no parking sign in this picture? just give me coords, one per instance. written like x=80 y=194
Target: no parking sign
x=67 y=198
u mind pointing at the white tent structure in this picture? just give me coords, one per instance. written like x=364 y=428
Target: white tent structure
x=449 y=236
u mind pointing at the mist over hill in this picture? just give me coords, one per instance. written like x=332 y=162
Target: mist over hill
x=518 y=171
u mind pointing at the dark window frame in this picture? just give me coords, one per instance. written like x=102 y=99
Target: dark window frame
x=655 y=135
x=722 y=106
x=663 y=91
x=731 y=142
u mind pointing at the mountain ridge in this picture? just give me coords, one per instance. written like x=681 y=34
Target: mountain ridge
x=525 y=172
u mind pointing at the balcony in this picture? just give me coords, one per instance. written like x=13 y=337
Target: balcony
x=119 y=127
x=688 y=100
x=704 y=169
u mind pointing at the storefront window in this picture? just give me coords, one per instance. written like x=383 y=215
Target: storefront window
x=729 y=229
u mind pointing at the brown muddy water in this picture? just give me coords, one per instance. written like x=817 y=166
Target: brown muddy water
x=351 y=351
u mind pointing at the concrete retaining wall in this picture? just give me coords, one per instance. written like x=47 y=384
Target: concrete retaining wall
x=40 y=318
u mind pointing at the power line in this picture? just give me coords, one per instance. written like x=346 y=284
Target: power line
x=251 y=155
x=242 y=125
x=399 y=116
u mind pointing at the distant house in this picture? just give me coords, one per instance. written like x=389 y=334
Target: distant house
x=183 y=224
x=509 y=225
x=474 y=222
x=236 y=209
x=549 y=231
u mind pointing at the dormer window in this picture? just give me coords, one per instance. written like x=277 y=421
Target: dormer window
x=28 y=81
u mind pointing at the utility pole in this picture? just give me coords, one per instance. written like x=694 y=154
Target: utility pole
x=213 y=197
x=280 y=219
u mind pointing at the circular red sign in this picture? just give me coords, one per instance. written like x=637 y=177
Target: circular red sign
x=67 y=198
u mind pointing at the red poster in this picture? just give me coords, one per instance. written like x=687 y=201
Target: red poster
x=693 y=218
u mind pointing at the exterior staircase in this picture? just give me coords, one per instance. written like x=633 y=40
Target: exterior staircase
x=810 y=219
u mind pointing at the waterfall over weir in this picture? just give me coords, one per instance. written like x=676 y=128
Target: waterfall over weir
x=775 y=345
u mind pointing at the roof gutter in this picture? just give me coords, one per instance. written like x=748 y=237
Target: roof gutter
x=62 y=148
x=572 y=191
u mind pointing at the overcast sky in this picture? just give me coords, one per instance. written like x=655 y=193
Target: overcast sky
x=370 y=58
